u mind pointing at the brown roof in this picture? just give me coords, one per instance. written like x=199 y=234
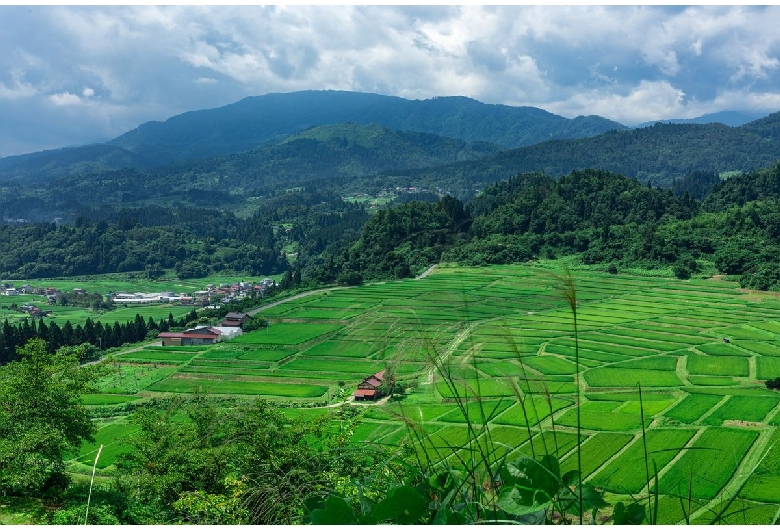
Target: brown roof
x=169 y=335
x=202 y=331
x=364 y=393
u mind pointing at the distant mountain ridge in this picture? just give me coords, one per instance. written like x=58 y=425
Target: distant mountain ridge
x=731 y=118
x=260 y=120
x=269 y=119
x=658 y=154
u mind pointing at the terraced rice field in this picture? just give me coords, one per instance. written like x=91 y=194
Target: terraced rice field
x=507 y=337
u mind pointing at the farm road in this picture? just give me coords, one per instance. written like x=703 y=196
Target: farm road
x=460 y=337
x=427 y=272
x=294 y=297
x=309 y=293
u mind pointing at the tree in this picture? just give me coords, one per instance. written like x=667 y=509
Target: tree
x=41 y=416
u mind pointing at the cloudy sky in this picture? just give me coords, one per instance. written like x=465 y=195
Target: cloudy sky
x=79 y=74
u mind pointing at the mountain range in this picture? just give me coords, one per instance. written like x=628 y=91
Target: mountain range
x=364 y=142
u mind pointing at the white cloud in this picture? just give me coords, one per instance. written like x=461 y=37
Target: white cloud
x=18 y=87
x=647 y=101
x=64 y=99
x=120 y=66
x=696 y=47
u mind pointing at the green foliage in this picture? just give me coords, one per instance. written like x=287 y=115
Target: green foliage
x=41 y=417
x=211 y=464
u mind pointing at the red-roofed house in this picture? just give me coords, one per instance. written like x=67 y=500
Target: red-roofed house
x=190 y=337
x=368 y=388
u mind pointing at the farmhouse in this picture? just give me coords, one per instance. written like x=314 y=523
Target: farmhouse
x=368 y=388
x=190 y=337
x=235 y=320
x=199 y=335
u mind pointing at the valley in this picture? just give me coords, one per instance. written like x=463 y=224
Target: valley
x=502 y=329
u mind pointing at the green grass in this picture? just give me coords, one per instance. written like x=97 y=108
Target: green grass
x=111 y=437
x=767 y=368
x=692 y=408
x=742 y=408
x=627 y=377
x=129 y=379
x=595 y=451
x=342 y=348
x=709 y=463
x=255 y=388
x=711 y=380
x=156 y=356
x=603 y=416
x=531 y=411
x=107 y=399
x=286 y=333
x=721 y=349
x=550 y=365
x=626 y=473
x=764 y=482
x=728 y=366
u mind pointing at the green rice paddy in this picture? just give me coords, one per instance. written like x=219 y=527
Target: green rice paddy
x=508 y=338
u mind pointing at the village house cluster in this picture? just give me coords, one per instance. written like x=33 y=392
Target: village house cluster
x=212 y=294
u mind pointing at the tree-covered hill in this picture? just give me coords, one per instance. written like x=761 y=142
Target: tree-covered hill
x=270 y=119
x=47 y=165
x=259 y=120
x=323 y=153
x=331 y=154
x=600 y=217
x=659 y=154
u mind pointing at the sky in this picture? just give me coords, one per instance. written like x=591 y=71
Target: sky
x=73 y=75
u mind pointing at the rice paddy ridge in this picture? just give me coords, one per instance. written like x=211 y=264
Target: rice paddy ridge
x=516 y=304
x=746 y=468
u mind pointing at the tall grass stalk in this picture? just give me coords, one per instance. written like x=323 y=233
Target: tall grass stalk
x=91 y=482
x=569 y=293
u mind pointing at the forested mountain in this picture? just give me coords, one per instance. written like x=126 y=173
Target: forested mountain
x=352 y=157
x=658 y=154
x=268 y=119
x=603 y=218
x=47 y=165
x=727 y=117
x=334 y=154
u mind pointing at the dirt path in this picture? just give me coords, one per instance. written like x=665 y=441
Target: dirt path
x=460 y=337
x=294 y=297
x=130 y=350
x=427 y=272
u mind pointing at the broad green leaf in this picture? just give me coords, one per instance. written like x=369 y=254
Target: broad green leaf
x=404 y=505
x=336 y=511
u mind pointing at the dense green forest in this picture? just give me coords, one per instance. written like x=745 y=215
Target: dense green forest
x=352 y=158
x=604 y=218
x=601 y=217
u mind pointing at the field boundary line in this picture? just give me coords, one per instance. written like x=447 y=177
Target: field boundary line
x=712 y=410
x=637 y=436
x=753 y=367
x=293 y=297
x=741 y=475
x=459 y=338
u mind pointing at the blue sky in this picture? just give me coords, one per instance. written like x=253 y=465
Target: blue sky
x=77 y=74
